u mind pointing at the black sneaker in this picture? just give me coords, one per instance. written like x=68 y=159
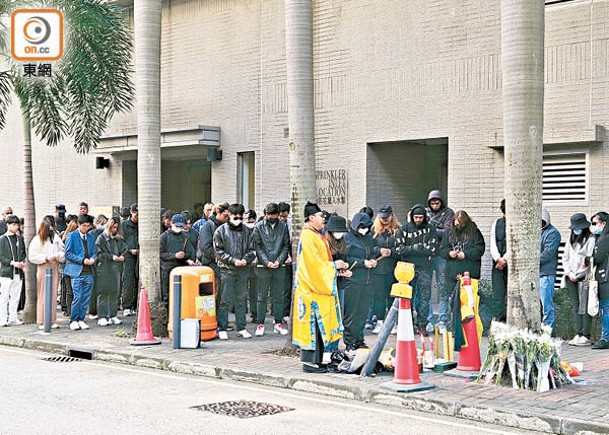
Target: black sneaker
x=319 y=368
x=601 y=344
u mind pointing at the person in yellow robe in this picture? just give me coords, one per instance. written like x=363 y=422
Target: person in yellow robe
x=317 y=315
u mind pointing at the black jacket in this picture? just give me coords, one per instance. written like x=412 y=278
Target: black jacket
x=473 y=250
x=601 y=262
x=12 y=248
x=205 y=246
x=359 y=248
x=418 y=244
x=441 y=219
x=234 y=243
x=130 y=231
x=172 y=243
x=106 y=248
x=385 y=240
x=272 y=242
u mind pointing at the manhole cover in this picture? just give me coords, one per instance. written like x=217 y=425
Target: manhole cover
x=60 y=359
x=242 y=408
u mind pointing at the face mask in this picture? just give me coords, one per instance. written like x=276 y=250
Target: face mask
x=338 y=236
x=250 y=225
x=272 y=221
x=597 y=230
x=363 y=231
x=177 y=230
x=236 y=222
x=577 y=232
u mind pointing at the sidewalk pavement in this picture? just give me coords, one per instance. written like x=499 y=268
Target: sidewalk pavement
x=573 y=409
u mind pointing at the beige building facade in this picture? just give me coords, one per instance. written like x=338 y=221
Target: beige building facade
x=407 y=99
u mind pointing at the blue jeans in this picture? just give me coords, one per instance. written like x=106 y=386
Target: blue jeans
x=604 y=312
x=546 y=289
x=439 y=268
x=82 y=286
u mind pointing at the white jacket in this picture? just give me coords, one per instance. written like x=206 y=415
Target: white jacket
x=573 y=258
x=38 y=253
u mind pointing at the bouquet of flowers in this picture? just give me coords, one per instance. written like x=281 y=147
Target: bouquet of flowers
x=533 y=360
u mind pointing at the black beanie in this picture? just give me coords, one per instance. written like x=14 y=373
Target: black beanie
x=418 y=210
x=310 y=209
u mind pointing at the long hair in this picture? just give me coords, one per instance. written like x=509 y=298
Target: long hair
x=46 y=229
x=336 y=246
x=393 y=226
x=72 y=225
x=580 y=239
x=111 y=222
x=468 y=228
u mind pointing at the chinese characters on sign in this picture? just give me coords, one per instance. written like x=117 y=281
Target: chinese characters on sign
x=36 y=70
x=332 y=190
x=36 y=40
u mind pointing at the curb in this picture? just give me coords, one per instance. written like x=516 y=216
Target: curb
x=521 y=420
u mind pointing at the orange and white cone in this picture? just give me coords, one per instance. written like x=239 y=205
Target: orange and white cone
x=406 y=367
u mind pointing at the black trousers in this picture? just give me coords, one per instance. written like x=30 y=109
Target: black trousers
x=499 y=303
x=314 y=356
x=357 y=300
x=272 y=280
x=129 y=288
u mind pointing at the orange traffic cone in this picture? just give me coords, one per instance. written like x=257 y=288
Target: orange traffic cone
x=407 y=368
x=469 y=355
x=144 y=328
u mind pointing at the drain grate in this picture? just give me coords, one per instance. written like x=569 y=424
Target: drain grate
x=242 y=408
x=60 y=359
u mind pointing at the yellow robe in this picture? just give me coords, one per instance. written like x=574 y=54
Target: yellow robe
x=316 y=296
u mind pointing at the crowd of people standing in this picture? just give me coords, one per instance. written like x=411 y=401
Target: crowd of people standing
x=349 y=262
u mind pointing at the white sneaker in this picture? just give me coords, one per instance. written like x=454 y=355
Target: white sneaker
x=103 y=322
x=583 y=341
x=223 y=335
x=280 y=328
x=74 y=326
x=54 y=326
x=430 y=328
x=394 y=330
x=286 y=319
x=15 y=322
x=243 y=333
x=441 y=327
x=115 y=321
x=574 y=340
x=93 y=316
x=259 y=331
x=379 y=326
x=127 y=312
x=82 y=324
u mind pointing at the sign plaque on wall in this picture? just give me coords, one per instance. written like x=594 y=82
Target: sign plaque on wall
x=332 y=190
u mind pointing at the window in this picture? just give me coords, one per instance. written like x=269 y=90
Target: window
x=565 y=177
x=247 y=179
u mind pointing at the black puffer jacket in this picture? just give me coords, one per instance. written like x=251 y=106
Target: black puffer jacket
x=272 y=242
x=418 y=244
x=234 y=243
x=359 y=248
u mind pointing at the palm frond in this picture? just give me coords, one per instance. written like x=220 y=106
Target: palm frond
x=6 y=84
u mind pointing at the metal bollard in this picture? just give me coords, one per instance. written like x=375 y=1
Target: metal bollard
x=177 y=311
x=48 y=299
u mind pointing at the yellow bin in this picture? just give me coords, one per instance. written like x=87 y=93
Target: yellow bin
x=198 y=298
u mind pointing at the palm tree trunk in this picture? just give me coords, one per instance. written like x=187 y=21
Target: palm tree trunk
x=29 y=217
x=147 y=18
x=522 y=59
x=301 y=123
